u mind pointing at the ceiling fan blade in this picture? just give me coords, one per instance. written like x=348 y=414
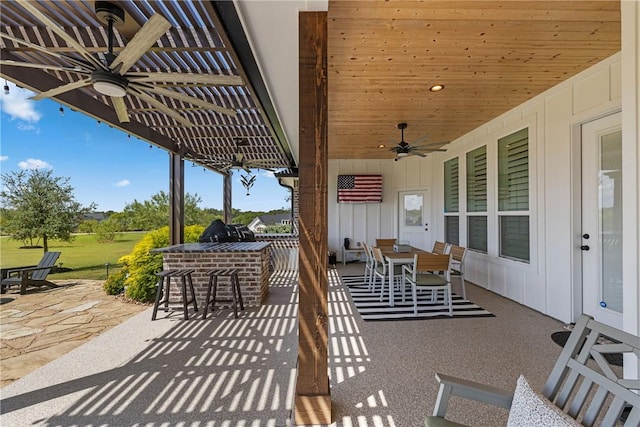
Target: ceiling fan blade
x=146 y=37
x=192 y=100
x=62 y=89
x=162 y=107
x=433 y=144
x=121 y=109
x=78 y=62
x=46 y=67
x=185 y=78
x=60 y=32
x=419 y=140
x=417 y=153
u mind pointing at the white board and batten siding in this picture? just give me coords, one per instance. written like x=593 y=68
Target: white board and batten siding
x=547 y=283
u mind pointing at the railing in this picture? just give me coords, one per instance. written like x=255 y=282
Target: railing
x=284 y=251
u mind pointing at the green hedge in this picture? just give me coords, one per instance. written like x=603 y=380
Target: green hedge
x=137 y=278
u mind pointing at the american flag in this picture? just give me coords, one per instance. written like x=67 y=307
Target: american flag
x=359 y=188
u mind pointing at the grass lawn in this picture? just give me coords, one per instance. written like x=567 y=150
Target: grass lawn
x=85 y=256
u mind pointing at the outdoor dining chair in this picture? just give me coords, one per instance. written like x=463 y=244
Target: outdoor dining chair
x=381 y=270
x=423 y=274
x=441 y=248
x=458 y=254
x=369 y=266
x=385 y=244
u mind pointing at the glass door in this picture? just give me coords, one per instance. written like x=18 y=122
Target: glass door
x=413 y=218
x=602 y=219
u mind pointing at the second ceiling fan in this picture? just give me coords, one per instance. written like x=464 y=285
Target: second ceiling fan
x=404 y=149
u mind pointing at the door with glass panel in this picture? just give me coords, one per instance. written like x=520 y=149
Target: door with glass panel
x=602 y=232
x=413 y=218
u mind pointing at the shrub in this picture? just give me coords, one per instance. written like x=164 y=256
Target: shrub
x=141 y=266
x=114 y=284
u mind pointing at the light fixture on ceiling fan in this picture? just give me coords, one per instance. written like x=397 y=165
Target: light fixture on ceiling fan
x=105 y=82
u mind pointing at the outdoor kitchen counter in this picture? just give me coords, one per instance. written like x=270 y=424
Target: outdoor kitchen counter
x=250 y=258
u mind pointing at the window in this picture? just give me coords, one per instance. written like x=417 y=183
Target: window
x=513 y=195
x=451 y=202
x=452 y=229
x=477 y=199
x=477 y=233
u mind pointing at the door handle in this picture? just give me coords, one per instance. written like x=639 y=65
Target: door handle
x=586 y=236
x=584 y=247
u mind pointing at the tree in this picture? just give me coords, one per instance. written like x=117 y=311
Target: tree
x=153 y=214
x=40 y=206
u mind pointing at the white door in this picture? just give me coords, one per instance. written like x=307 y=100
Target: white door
x=602 y=219
x=413 y=218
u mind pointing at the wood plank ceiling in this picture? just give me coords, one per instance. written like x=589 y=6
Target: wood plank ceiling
x=490 y=55
x=196 y=43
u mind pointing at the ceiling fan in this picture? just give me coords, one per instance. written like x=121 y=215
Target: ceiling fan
x=404 y=149
x=111 y=75
x=239 y=162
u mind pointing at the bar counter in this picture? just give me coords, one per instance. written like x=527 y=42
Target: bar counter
x=250 y=258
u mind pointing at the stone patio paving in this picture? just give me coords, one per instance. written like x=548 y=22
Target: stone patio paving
x=42 y=325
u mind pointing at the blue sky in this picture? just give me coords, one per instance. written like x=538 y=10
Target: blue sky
x=104 y=165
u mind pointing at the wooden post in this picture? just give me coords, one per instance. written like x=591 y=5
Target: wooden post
x=313 y=398
x=226 y=196
x=176 y=199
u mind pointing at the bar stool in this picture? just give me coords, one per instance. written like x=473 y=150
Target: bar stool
x=232 y=274
x=162 y=292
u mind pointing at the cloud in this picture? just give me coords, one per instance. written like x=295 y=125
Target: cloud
x=18 y=105
x=27 y=127
x=123 y=183
x=3 y=158
x=34 y=164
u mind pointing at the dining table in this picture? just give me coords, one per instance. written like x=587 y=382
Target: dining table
x=394 y=258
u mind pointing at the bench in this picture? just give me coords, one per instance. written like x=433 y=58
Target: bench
x=581 y=387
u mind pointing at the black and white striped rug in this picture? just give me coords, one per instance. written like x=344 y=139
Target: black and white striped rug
x=371 y=308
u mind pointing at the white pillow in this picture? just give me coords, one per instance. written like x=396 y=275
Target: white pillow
x=529 y=409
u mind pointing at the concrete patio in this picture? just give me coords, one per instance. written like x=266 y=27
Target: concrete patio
x=241 y=372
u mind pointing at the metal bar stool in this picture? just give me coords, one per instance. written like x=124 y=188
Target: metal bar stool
x=162 y=292
x=232 y=273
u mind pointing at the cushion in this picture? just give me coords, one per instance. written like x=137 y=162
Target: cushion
x=530 y=409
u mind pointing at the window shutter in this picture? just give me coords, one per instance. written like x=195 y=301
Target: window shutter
x=513 y=172
x=477 y=180
x=451 y=186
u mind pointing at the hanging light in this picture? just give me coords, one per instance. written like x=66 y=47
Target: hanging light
x=61 y=111
x=6 y=88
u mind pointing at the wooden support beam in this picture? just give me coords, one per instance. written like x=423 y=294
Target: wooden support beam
x=176 y=196
x=313 y=397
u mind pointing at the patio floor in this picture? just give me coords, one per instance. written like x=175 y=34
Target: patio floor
x=241 y=372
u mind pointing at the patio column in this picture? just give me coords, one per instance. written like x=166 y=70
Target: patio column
x=313 y=399
x=226 y=196
x=176 y=199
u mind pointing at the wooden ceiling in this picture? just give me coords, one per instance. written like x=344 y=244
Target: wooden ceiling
x=490 y=55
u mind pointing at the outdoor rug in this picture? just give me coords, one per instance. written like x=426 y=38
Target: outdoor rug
x=372 y=309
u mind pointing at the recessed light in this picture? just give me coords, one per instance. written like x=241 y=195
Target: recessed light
x=381 y=146
x=436 y=88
